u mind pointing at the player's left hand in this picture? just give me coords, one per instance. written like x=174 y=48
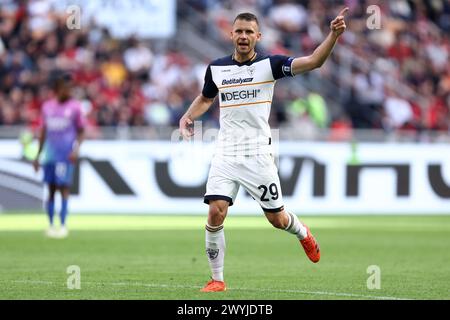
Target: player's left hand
x=36 y=165
x=338 y=24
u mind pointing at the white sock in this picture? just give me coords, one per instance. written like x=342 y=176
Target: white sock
x=215 y=250
x=295 y=227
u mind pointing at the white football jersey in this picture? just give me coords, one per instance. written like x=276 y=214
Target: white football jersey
x=245 y=97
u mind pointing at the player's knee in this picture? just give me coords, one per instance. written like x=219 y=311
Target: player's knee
x=217 y=213
x=65 y=192
x=51 y=195
x=278 y=224
x=277 y=221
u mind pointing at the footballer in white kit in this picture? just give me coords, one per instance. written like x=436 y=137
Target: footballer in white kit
x=244 y=155
x=243 y=83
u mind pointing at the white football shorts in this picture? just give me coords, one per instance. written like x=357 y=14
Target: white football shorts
x=258 y=174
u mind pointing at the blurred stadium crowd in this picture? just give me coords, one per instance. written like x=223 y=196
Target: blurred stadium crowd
x=393 y=78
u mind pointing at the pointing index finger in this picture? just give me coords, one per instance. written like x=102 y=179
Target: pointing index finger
x=343 y=12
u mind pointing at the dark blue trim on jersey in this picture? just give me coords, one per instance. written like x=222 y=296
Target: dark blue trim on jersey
x=276 y=210
x=281 y=66
x=209 y=88
x=229 y=61
x=287 y=67
x=213 y=197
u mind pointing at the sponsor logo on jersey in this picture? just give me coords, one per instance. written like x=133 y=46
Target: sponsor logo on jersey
x=236 y=81
x=240 y=95
x=57 y=124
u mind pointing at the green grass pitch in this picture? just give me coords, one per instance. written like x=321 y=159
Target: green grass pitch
x=162 y=257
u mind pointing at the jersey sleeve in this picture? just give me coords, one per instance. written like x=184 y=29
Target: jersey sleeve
x=281 y=66
x=79 y=119
x=209 y=88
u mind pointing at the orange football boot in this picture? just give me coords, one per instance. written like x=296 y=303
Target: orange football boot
x=311 y=246
x=214 y=286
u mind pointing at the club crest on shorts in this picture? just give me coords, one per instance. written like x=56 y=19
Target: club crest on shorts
x=212 y=253
x=251 y=70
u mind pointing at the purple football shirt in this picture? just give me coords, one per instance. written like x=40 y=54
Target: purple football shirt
x=62 y=122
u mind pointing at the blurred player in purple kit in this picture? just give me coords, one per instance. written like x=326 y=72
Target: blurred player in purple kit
x=60 y=138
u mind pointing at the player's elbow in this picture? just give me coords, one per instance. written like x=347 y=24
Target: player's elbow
x=316 y=62
x=319 y=64
x=308 y=64
x=205 y=99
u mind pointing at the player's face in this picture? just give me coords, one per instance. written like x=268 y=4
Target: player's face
x=245 y=35
x=62 y=90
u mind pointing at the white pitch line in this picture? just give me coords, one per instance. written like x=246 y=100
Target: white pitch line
x=171 y=286
x=155 y=285
x=33 y=282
